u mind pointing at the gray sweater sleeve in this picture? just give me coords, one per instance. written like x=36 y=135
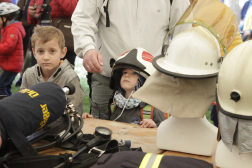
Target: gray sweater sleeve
x=78 y=96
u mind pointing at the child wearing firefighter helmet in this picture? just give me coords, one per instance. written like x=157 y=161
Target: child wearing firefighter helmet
x=129 y=73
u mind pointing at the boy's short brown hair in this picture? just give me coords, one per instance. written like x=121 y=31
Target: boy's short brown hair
x=47 y=33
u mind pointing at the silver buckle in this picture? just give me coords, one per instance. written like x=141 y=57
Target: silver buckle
x=99 y=150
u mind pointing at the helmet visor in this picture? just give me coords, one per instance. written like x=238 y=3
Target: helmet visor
x=214 y=16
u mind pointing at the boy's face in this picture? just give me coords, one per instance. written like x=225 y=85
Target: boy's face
x=129 y=80
x=48 y=55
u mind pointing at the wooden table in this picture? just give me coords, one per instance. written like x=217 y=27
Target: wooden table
x=140 y=137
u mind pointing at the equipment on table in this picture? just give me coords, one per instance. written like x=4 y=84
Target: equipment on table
x=29 y=111
x=43 y=109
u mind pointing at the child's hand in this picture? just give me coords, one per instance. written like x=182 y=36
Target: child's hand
x=148 y=123
x=87 y=115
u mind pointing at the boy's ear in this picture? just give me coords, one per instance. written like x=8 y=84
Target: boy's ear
x=63 y=53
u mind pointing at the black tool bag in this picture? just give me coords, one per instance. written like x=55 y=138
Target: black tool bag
x=28 y=111
x=27 y=108
x=64 y=25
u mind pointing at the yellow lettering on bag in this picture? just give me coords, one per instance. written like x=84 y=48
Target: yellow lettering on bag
x=46 y=115
x=30 y=92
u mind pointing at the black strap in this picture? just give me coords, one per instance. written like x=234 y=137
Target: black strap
x=107 y=14
x=16 y=136
x=48 y=2
x=76 y=142
x=90 y=157
x=89 y=81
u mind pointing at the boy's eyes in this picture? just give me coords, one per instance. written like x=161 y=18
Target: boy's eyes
x=41 y=51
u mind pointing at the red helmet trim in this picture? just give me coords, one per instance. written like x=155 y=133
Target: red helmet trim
x=147 y=56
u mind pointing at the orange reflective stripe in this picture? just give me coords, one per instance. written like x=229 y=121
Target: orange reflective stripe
x=141 y=113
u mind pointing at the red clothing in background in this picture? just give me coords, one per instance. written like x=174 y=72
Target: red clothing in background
x=11 y=47
x=5 y=1
x=60 y=8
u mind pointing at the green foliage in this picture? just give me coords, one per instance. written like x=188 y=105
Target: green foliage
x=13 y=88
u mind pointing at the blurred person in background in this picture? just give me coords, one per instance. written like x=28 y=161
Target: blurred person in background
x=11 y=47
x=22 y=18
x=244 y=11
x=246 y=25
x=1 y=71
x=105 y=29
x=39 y=13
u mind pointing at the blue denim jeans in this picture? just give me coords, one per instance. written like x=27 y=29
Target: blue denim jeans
x=6 y=80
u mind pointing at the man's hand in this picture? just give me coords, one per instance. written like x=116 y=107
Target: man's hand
x=32 y=10
x=87 y=115
x=92 y=61
x=148 y=123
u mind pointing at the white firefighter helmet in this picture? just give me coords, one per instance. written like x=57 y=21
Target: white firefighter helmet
x=234 y=93
x=8 y=9
x=137 y=59
x=193 y=53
